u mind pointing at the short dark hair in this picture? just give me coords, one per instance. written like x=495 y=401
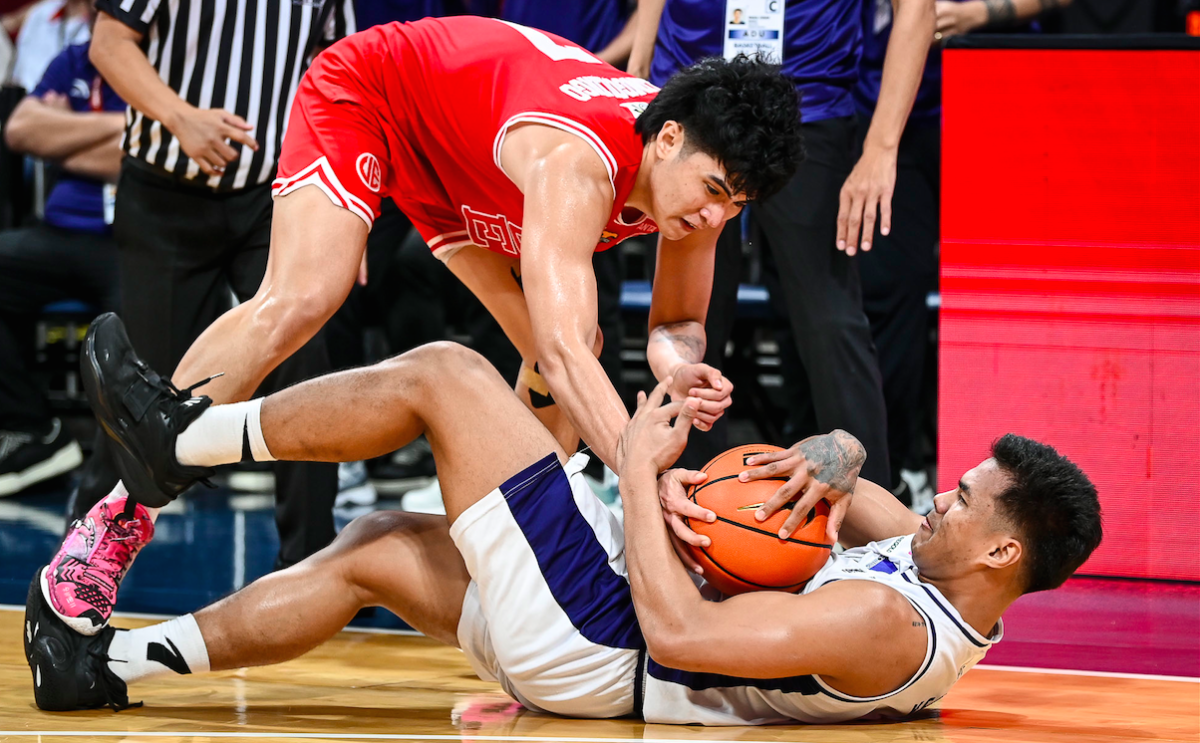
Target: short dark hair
x=742 y=112
x=1053 y=505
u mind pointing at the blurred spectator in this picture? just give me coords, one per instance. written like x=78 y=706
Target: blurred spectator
x=818 y=44
x=74 y=120
x=49 y=27
x=604 y=27
x=955 y=18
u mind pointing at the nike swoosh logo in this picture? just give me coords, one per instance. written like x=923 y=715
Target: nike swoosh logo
x=172 y=658
x=247 y=454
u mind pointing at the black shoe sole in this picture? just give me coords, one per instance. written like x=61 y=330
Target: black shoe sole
x=45 y=650
x=136 y=477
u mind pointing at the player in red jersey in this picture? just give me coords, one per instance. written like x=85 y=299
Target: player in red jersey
x=514 y=153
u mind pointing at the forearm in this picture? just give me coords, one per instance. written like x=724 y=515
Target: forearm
x=1001 y=13
x=101 y=161
x=125 y=67
x=54 y=134
x=664 y=596
x=617 y=51
x=875 y=514
x=674 y=344
x=641 y=53
x=903 y=64
x=581 y=388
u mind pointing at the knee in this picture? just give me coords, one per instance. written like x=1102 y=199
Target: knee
x=288 y=319
x=440 y=365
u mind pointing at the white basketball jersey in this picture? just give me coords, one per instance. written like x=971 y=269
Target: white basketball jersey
x=953 y=647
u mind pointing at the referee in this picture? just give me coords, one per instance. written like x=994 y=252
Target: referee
x=209 y=85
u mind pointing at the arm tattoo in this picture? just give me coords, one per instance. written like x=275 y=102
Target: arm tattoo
x=688 y=345
x=1000 y=12
x=834 y=459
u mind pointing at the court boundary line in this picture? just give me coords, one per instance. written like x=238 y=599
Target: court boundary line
x=466 y=735
x=1101 y=674
x=985 y=666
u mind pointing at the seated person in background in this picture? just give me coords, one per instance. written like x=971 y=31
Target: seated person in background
x=73 y=120
x=538 y=583
x=48 y=28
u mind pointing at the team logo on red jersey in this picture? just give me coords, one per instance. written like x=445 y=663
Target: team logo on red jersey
x=369 y=171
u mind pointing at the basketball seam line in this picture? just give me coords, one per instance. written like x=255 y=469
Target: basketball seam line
x=731 y=477
x=793 y=540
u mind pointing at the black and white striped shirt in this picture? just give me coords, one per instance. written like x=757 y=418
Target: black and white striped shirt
x=245 y=56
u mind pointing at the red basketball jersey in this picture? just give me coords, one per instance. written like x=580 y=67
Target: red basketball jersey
x=446 y=91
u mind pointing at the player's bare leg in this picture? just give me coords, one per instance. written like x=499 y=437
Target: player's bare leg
x=405 y=562
x=481 y=435
x=316 y=249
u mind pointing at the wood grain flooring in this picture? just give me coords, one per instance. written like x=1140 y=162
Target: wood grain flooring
x=363 y=686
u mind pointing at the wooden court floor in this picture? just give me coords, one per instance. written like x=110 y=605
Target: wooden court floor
x=364 y=686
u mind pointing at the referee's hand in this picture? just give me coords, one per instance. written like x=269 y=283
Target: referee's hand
x=205 y=134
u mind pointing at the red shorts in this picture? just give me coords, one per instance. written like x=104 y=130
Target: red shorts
x=344 y=139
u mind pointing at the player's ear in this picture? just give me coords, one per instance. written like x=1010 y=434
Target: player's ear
x=1005 y=552
x=670 y=139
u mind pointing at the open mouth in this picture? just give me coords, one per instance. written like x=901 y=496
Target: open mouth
x=927 y=525
x=687 y=226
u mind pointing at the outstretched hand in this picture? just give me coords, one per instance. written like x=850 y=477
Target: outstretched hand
x=818 y=467
x=649 y=439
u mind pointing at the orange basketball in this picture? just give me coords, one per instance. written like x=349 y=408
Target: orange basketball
x=746 y=554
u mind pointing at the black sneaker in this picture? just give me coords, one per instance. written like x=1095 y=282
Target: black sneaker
x=28 y=458
x=142 y=412
x=70 y=670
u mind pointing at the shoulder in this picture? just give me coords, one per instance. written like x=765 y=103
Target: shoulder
x=555 y=151
x=890 y=639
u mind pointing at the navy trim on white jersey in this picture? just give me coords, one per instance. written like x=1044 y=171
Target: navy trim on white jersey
x=574 y=564
x=702 y=681
x=970 y=633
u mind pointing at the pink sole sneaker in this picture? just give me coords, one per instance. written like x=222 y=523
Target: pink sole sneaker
x=81 y=582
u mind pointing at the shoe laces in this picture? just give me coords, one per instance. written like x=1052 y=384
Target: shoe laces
x=115 y=698
x=167 y=387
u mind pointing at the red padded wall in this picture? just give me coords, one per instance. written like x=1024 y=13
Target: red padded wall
x=1070 y=281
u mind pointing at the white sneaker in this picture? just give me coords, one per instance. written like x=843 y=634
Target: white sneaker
x=920 y=489
x=354 y=489
x=424 y=500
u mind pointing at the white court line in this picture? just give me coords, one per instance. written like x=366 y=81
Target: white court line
x=355 y=736
x=1101 y=674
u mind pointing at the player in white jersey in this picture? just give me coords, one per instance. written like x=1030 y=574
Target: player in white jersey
x=545 y=592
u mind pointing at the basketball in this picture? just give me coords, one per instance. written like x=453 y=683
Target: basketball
x=746 y=554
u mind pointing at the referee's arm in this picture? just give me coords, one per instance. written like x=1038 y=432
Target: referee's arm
x=116 y=52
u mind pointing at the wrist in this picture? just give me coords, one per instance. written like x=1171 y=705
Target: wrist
x=879 y=144
x=177 y=111
x=975 y=13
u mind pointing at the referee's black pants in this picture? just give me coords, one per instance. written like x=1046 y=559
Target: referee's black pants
x=822 y=293
x=897 y=276
x=183 y=253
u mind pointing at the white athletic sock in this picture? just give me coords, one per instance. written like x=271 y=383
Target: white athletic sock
x=170 y=647
x=219 y=434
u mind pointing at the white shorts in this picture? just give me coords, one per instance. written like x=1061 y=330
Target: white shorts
x=549 y=614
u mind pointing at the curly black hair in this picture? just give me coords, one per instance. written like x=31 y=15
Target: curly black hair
x=1053 y=504
x=742 y=112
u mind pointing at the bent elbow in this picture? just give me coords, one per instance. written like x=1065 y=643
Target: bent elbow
x=671 y=647
x=16 y=133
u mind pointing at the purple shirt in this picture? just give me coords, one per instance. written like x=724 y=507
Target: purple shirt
x=77 y=203
x=821 y=40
